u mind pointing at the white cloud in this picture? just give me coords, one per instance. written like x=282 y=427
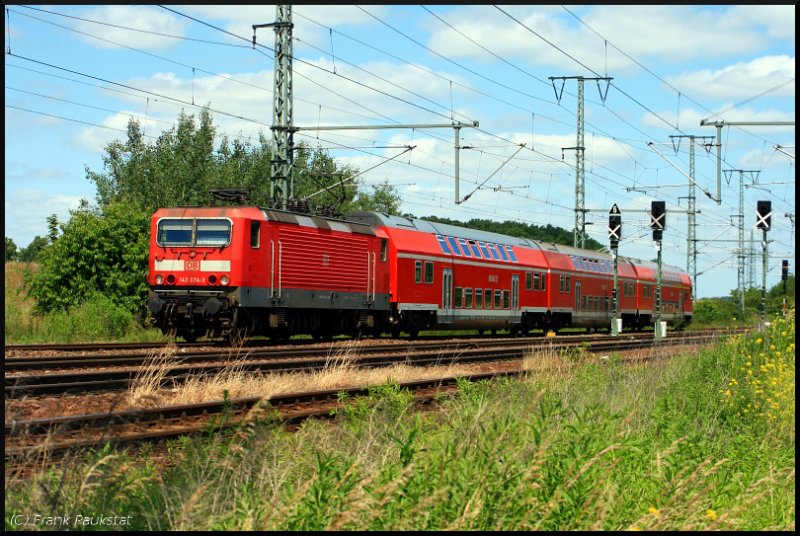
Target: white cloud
x=741 y=80
x=667 y=34
x=149 y=18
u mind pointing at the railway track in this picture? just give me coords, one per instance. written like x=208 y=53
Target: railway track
x=250 y=343
x=306 y=359
x=36 y=440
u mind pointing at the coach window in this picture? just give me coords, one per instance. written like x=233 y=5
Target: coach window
x=484 y=250
x=255 y=234
x=454 y=245
x=384 y=247
x=418 y=271
x=511 y=254
x=468 y=298
x=478 y=298
x=561 y=283
x=443 y=244
x=502 y=249
x=493 y=250
x=506 y=299
x=536 y=281
x=428 y=272
x=498 y=297
x=474 y=247
x=459 y=291
x=566 y=284
x=528 y=280
x=487 y=296
x=465 y=247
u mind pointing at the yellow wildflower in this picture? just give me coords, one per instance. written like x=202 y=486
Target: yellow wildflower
x=711 y=514
x=653 y=510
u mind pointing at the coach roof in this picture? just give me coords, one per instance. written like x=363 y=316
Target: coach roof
x=444 y=229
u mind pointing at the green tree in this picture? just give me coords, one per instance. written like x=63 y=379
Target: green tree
x=11 y=250
x=34 y=249
x=384 y=199
x=182 y=166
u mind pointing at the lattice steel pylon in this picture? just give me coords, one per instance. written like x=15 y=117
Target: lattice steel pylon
x=691 y=234
x=282 y=164
x=282 y=169
x=579 y=239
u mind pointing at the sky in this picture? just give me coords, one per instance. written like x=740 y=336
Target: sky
x=76 y=75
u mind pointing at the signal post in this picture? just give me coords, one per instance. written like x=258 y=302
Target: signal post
x=658 y=222
x=614 y=235
x=763 y=219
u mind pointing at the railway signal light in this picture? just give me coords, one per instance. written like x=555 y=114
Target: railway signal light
x=614 y=226
x=763 y=215
x=784 y=270
x=658 y=218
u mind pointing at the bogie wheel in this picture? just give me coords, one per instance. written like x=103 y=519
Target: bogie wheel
x=189 y=336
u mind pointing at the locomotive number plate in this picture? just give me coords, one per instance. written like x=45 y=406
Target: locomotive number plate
x=191 y=279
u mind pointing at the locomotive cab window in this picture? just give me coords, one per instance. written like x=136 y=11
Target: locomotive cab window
x=184 y=232
x=174 y=232
x=384 y=247
x=213 y=233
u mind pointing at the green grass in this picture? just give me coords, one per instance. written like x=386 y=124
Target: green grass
x=610 y=447
x=97 y=319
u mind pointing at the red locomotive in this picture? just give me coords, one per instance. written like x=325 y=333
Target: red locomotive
x=226 y=271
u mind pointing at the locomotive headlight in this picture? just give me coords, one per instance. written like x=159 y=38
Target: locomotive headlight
x=159 y=279
x=224 y=280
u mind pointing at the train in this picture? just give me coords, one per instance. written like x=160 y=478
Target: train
x=241 y=271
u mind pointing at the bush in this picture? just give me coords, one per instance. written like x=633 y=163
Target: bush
x=101 y=252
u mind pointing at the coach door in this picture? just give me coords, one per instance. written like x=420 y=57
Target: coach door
x=447 y=290
x=514 y=292
x=577 y=297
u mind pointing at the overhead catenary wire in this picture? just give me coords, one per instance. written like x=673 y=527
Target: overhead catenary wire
x=499 y=155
